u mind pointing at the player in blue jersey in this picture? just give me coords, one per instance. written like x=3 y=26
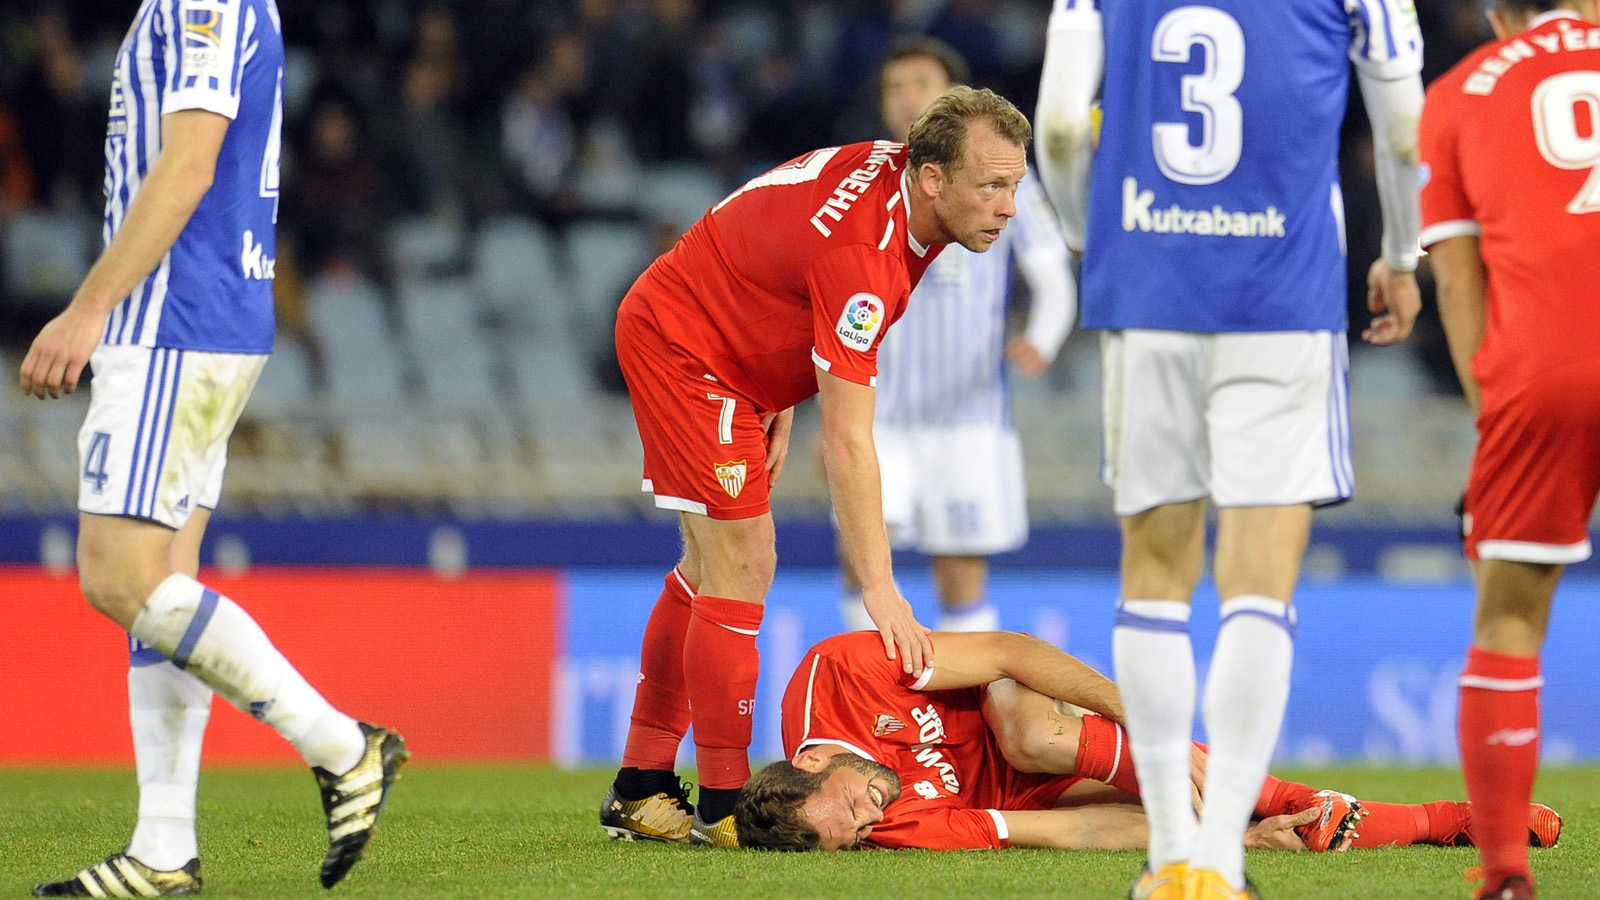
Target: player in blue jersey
x=1213 y=259
x=176 y=320
x=949 y=453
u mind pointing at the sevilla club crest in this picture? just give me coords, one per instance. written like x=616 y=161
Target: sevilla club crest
x=731 y=476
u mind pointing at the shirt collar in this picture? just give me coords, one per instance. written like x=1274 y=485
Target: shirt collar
x=905 y=199
x=1551 y=16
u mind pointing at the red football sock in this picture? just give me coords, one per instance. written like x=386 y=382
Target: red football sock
x=1403 y=824
x=1280 y=798
x=661 y=701
x=721 y=648
x=1104 y=755
x=1499 y=729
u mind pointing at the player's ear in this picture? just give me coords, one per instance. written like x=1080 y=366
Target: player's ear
x=1497 y=23
x=930 y=178
x=811 y=759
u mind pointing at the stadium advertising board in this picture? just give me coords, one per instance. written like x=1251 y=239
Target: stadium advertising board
x=1374 y=677
x=461 y=666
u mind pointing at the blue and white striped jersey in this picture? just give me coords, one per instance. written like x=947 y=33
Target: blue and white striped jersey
x=1214 y=199
x=213 y=290
x=942 y=363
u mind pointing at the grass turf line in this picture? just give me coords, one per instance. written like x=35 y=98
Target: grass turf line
x=491 y=832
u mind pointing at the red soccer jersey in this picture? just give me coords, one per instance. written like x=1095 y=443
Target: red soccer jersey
x=804 y=266
x=953 y=777
x=1510 y=141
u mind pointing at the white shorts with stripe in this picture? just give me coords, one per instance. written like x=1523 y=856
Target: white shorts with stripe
x=954 y=491
x=1256 y=419
x=155 y=441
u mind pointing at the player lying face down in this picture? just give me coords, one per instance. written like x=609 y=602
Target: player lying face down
x=972 y=755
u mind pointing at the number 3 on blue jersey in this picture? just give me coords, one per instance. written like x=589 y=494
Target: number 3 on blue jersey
x=94 y=461
x=1208 y=94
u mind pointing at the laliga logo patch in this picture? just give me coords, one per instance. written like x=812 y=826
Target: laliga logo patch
x=731 y=476
x=860 y=322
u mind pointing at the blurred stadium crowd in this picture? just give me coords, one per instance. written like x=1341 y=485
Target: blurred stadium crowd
x=470 y=187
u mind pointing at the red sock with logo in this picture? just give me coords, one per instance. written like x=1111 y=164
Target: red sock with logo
x=661 y=701
x=1104 y=754
x=721 y=650
x=1499 y=729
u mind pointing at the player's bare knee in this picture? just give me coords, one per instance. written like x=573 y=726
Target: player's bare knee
x=115 y=598
x=1035 y=735
x=759 y=567
x=1041 y=746
x=742 y=570
x=756 y=555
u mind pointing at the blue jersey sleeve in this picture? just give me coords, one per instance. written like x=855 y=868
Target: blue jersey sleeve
x=1385 y=40
x=211 y=39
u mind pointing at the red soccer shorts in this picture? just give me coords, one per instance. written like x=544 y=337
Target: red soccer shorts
x=705 y=448
x=1537 y=470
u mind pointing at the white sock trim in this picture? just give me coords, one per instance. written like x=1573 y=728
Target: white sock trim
x=1278 y=612
x=1502 y=684
x=983 y=616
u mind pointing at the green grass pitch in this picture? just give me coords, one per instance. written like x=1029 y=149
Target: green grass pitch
x=489 y=832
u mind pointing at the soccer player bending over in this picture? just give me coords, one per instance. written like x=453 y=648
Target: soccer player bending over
x=1518 y=303
x=948 y=449
x=1008 y=742
x=781 y=291
x=176 y=318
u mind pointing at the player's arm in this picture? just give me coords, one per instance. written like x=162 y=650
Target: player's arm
x=1391 y=89
x=1114 y=827
x=1124 y=827
x=851 y=460
x=1074 y=61
x=1459 y=273
x=174 y=186
x=978 y=658
x=1053 y=293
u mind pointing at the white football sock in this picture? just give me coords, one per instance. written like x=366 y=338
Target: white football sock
x=1155 y=673
x=981 y=617
x=1246 y=692
x=853 y=610
x=211 y=638
x=168 y=710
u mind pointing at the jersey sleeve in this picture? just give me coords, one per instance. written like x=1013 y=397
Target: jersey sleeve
x=1042 y=257
x=1446 y=210
x=1385 y=39
x=918 y=823
x=212 y=39
x=856 y=291
x=1070 y=77
x=838 y=690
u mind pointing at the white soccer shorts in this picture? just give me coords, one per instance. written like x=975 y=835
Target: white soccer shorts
x=155 y=441
x=1258 y=419
x=953 y=491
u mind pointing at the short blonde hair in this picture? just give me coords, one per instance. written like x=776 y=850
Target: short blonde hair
x=940 y=135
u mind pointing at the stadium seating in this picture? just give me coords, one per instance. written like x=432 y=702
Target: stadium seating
x=46 y=254
x=474 y=390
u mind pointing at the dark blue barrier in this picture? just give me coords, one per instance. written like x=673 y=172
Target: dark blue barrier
x=653 y=541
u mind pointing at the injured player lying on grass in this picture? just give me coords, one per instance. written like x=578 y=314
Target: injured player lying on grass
x=1008 y=742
